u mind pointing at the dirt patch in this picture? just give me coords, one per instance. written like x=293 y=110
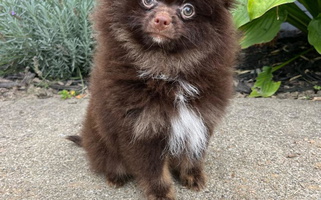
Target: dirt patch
x=27 y=85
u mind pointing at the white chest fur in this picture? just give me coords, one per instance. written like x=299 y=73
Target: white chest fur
x=189 y=133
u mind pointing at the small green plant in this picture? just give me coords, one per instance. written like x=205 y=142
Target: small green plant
x=264 y=85
x=65 y=94
x=260 y=22
x=52 y=37
x=317 y=87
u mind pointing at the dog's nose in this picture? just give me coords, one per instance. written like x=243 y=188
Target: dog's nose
x=162 y=21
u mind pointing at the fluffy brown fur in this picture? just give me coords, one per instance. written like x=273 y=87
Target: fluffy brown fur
x=161 y=82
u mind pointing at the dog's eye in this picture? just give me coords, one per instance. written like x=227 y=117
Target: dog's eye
x=149 y=3
x=187 y=11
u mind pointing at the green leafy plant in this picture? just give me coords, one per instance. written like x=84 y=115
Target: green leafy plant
x=65 y=94
x=317 y=87
x=260 y=22
x=264 y=85
x=52 y=37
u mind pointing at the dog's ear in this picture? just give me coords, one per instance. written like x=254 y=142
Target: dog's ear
x=229 y=3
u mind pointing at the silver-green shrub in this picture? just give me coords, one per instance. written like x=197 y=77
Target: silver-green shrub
x=53 y=37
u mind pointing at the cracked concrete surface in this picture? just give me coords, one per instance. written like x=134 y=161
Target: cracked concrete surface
x=264 y=149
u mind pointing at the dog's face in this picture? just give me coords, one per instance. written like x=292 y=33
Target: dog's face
x=171 y=24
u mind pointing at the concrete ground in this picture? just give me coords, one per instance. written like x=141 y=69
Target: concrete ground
x=264 y=149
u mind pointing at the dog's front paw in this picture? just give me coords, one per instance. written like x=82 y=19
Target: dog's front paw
x=117 y=181
x=194 y=182
x=153 y=197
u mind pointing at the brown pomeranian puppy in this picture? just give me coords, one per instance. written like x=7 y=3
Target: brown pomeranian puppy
x=161 y=82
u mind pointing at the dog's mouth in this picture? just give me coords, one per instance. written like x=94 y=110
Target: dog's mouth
x=159 y=37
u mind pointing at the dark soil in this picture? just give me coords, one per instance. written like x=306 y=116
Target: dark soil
x=299 y=78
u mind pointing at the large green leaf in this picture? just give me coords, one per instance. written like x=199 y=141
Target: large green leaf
x=263 y=29
x=240 y=14
x=314 y=36
x=264 y=85
x=313 y=6
x=257 y=8
x=297 y=17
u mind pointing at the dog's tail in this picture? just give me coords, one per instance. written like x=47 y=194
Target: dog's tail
x=76 y=139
